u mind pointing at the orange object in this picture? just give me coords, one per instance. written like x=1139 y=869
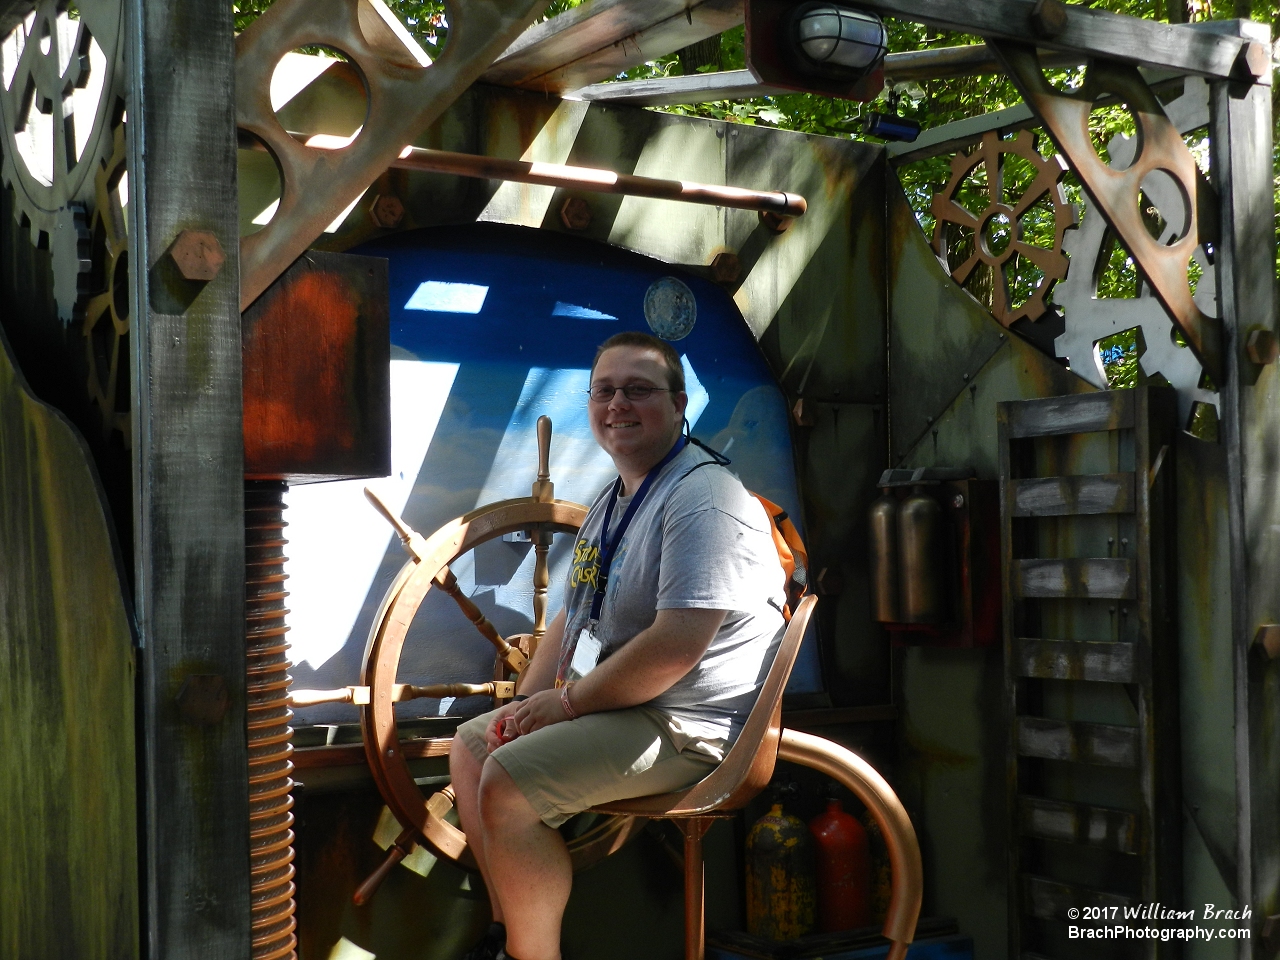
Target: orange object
x=844 y=870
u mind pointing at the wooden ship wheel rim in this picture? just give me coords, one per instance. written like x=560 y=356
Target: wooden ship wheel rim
x=421 y=815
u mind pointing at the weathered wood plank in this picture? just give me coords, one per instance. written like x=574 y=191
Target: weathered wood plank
x=68 y=793
x=1100 y=578
x=602 y=38
x=1050 y=900
x=902 y=67
x=1180 y=47
x=1072 y=496
x=1074 y=660
x=1078 y=823
x=189 y=478
x=1077 y=741
x=1085 y=413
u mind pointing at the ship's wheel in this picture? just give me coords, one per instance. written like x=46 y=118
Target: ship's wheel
x=425 y=819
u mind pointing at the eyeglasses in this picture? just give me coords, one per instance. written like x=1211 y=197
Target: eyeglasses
x=603 y=393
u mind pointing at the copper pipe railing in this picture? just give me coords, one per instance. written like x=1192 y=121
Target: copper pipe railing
x=270 y=784
x=599 y=181
x=899 y=835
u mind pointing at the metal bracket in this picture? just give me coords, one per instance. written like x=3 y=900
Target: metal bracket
x=1116 y=192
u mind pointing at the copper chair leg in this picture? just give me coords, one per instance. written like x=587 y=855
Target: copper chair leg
x=695 y=934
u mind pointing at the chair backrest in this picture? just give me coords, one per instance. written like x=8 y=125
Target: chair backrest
x=748 y=766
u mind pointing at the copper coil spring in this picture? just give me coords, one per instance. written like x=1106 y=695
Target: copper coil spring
x=270 y=736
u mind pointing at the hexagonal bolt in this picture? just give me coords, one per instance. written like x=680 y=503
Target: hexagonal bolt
x=387 y=211
x=575 y=214
x=1262 y=347
x=198 y=254
x=775 y=221
x=726 y=268
x=1048 y=18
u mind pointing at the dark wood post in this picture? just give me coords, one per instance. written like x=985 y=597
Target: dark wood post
x=1240 y=132
x=188 y=478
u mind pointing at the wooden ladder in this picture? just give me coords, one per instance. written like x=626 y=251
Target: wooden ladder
x=1090 y=643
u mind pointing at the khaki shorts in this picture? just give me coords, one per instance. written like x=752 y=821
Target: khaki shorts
x=568 y=767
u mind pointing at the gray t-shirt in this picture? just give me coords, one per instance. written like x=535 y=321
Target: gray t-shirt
x=698 y=540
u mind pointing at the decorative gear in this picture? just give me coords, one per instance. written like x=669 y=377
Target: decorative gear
x=949 y=216
x=106 y=314
x=1090 y=318
x=59 y=97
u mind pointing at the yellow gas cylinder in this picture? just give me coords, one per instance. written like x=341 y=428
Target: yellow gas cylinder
x=781 y=885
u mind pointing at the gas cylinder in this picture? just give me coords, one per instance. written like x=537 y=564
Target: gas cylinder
x=844 y=870
x=883 y=522
x=781 y=897
x=921 y=593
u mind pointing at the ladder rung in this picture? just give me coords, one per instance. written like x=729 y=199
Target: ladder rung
x=1078 y=823
x=1074 y=660
x=1100 y=579
x=1050 y=900
x=1101 y=743
x=1081 y=413
x=1072 y=496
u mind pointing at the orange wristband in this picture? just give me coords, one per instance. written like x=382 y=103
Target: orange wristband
x=564 y=702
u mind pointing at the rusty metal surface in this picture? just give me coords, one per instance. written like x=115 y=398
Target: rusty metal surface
x=317 y=391
x=1116 y=191
x=405 y=94
x=948 y=214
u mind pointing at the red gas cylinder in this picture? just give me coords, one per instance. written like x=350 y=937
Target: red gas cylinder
x=844 y=870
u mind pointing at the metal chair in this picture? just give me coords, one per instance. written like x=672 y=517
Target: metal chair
x=748 y=768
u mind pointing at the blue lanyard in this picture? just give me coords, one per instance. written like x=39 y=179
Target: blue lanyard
x=609 y=546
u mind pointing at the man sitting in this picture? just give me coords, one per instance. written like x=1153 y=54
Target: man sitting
x=670 y=623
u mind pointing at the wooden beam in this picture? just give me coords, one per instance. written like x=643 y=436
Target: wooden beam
x=663 y=92
x=188 y=477
x=911 y=65
x=1240 y=156
x=1187 y=48
x=602 y=38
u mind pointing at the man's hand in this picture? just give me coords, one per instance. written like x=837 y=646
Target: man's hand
x=541 y=710
x=492 y=738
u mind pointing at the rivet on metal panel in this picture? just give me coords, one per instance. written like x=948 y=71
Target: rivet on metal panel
x=1268 y=639
x=726 y=268
x=1262 y=346
x=575 y=214
x=387 y=211
x=198 y=254
x=202 y=699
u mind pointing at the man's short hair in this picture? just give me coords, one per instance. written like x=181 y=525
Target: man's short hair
x=634 y=338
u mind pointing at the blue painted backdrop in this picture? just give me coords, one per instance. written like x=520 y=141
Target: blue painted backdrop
x=491 y=327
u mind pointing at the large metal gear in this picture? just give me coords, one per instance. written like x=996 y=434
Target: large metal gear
x=59 y=98
x=1000 y=216
x=1090 y=318
x=106 y=312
